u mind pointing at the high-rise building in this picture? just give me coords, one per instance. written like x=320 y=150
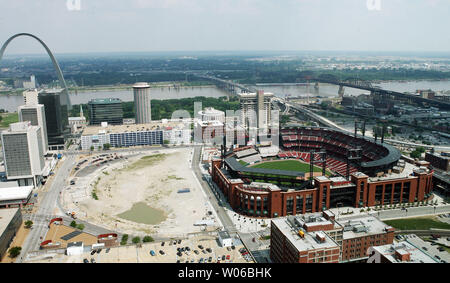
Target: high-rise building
x=22 y=153
x=31 y=96
x=36 y=115
x=256 y=109
x=142 y=103
x=105 y=110
x=56 y=115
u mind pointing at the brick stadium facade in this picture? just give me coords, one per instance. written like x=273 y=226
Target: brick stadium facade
x=269 y=200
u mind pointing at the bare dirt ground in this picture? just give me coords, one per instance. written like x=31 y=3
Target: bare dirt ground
x=150 y=177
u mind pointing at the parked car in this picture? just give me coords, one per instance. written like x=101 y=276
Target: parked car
x=208 y=250
x=209 y=259
x=85 y=260
x=196 y=252
x=228 y=257
x=93 y=260
x=161 y=252
x=162 y=244
x=200 y=247
x=223 y=257
x=152 y=252
x=93 y=252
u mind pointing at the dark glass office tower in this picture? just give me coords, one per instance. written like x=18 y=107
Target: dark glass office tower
x=56 y=115
x=105 y=110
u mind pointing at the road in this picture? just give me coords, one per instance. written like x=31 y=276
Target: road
x=221 y=213
x=47 y=206
x=247 y=238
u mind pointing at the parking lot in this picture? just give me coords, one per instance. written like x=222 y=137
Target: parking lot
x=196 y=250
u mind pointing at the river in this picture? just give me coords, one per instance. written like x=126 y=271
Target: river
x=10 y=103
x=326 y=90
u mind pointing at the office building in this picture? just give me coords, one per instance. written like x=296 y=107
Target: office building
x=154 y=133
x=105 y=110
x=319 y=237
x=23 y=154
x=290 y=242
x=211 y=114
x=10 y=221
x=30 y=97
x=56 y=114
x=411 y=250
x=35 y=113
x=440 y=161
x=142 y=103
x=256 y=109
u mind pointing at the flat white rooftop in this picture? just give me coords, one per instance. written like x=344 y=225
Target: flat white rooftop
x=309 y=242
x=6 y=215
x=372 y=224
x=15 y=193
x=404 y=248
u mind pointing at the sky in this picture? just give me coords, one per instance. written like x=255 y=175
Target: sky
x=83 y=26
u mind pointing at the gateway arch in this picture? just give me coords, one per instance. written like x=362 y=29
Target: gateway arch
x=62 y=82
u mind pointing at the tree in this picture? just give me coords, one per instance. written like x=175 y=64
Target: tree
x=28 y=224
x=92 y=148
x=106 y=146
x=124 y=239
x=73 y=224
x=147 y=239
x=14 y=251
x=80 y=226
x=136 y=240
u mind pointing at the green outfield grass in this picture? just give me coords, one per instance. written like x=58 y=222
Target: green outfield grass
x=420 y=223
x=288 y=165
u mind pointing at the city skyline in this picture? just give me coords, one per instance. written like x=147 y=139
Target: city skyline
x=177 y=25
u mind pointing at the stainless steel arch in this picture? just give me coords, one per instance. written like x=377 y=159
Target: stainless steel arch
x=55 y=63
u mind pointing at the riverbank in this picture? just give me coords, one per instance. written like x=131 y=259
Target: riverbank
x=101 y=88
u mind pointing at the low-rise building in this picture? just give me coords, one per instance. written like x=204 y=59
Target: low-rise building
x=402 y=252
x=320 y=238
x=154 y=133
x=10 y=221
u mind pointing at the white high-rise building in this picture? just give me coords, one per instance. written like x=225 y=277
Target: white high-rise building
x=22 y=153
x=30 y=97
x=256 y=109
x=142 y=103
x=36 y=115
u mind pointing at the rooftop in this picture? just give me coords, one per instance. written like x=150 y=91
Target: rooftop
x=6 y=215
x=15 y=193
x=105 y=101
x=114 y=129
x=404 y=248
x=310 y=240
x=362 y=226
x=253 y=95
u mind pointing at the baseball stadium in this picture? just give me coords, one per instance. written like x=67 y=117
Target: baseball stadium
x=314 y=169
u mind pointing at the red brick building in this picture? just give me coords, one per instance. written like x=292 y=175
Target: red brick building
x=330 y=241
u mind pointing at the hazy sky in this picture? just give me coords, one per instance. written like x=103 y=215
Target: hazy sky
x=198 y=25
